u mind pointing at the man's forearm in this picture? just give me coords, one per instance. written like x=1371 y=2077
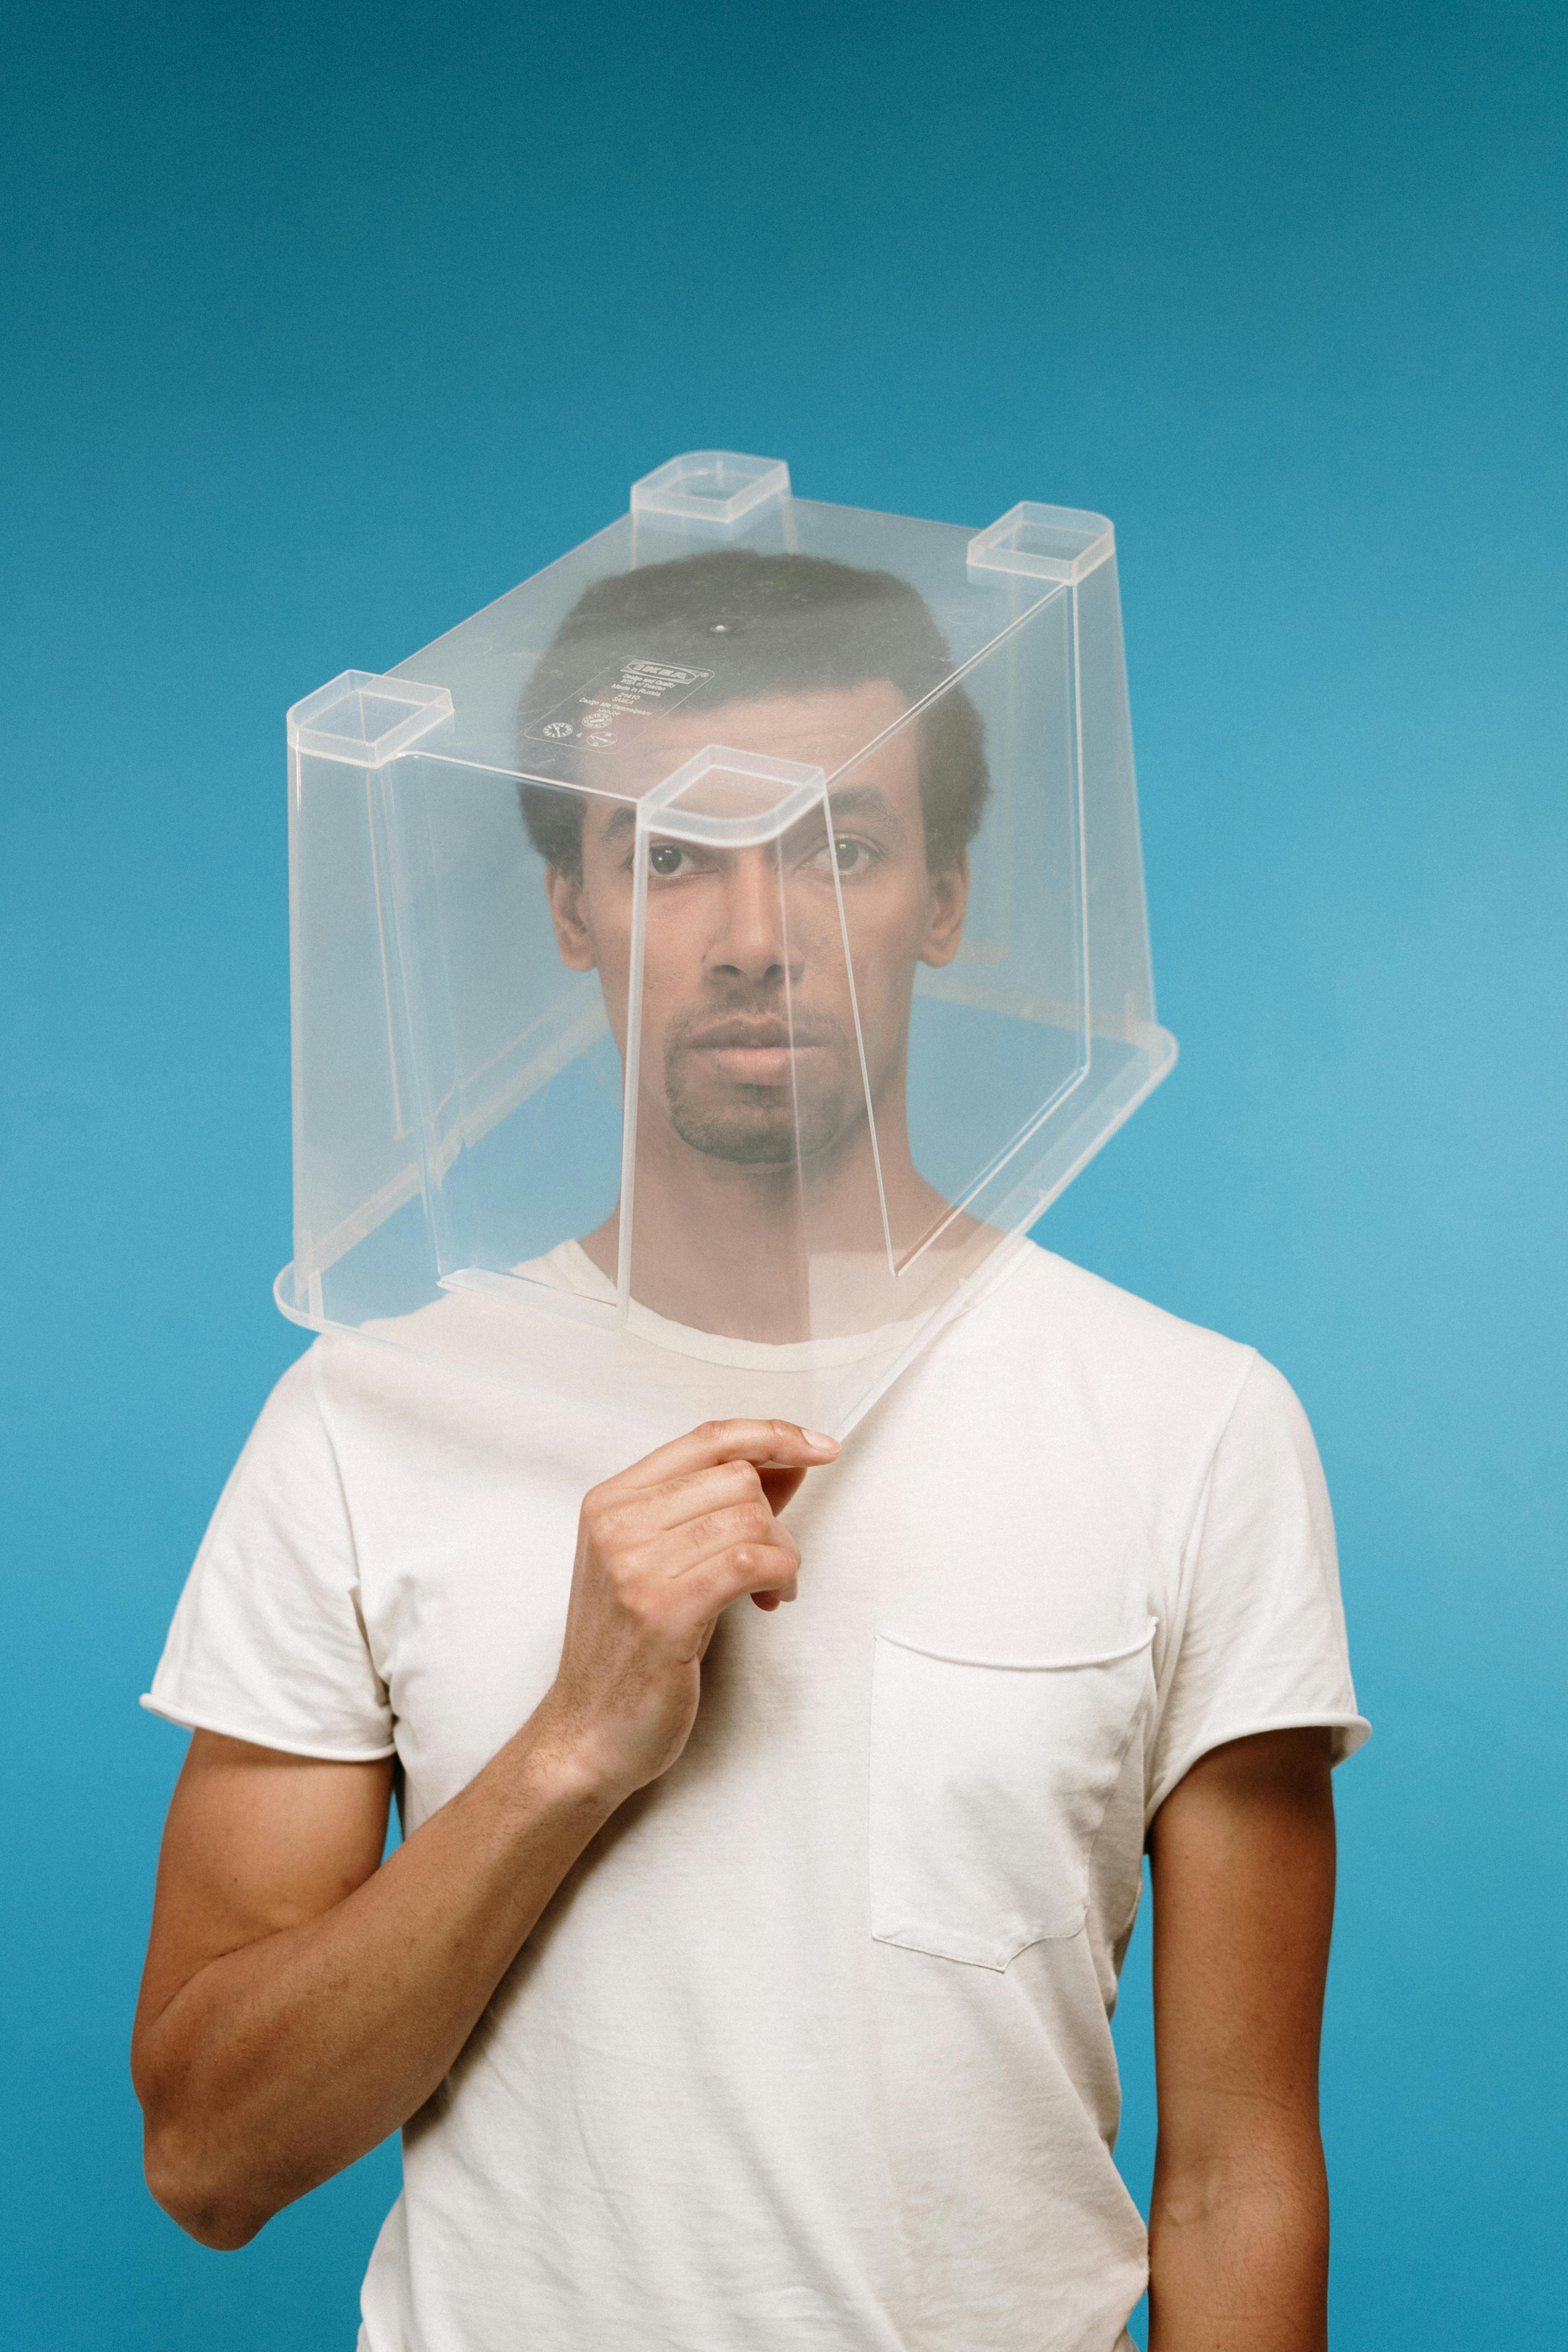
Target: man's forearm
x=1242 y=1857
x=283 y=2062
x=1239 y=2261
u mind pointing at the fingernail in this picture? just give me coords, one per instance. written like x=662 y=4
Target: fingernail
x=813 y=1437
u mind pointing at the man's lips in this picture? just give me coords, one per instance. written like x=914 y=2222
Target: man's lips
x=751 y=1066
x=752 y=1054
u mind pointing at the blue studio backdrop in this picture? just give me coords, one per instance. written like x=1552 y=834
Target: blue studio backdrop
x=324 y=325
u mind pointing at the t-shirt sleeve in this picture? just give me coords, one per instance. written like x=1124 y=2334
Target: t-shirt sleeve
x=1260 y=1645
x=268 y=1641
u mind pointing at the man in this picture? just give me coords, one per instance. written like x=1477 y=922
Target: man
x=743 y=1978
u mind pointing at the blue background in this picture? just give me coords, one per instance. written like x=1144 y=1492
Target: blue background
x=323 y=325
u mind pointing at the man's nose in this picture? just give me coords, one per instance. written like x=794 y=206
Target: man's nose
x=751 y=938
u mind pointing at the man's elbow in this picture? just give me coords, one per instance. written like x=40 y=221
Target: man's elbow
x=199 y=2194
x=1273 y=2188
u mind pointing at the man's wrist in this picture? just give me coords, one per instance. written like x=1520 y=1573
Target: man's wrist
x=560 y=1769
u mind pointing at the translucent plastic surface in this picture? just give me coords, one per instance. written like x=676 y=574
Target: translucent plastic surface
x=711 y=955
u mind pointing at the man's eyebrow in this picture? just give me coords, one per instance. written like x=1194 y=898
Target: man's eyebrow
x=622 y=819
x=864 y=800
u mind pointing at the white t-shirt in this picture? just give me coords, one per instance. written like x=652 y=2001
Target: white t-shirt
x=811 y=2051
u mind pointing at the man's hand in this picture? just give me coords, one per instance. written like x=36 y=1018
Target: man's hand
x=662 y=1551
x=1242 y=1854
x=301 y=1998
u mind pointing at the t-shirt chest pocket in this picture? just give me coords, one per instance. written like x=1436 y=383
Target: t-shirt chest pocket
x=989 y=1783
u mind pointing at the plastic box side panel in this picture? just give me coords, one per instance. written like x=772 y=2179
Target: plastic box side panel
x=517 y=1088
x=998 y=1034
x=1121 y=986
x=356 y=1163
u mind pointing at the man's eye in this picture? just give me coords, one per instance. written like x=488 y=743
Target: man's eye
x=849 y=855
x=665 y=857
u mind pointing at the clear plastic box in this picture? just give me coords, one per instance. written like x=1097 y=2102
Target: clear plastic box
x=710 y=956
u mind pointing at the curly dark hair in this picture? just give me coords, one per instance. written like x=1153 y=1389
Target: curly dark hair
x=780 y=623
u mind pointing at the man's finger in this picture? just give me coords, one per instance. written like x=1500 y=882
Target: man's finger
x=781 y=1442
x=636 y=1513
x=684 y=1548
x=744 y=1568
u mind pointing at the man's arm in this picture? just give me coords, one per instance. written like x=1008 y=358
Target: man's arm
x=301 y=1998
x=1242 y=1857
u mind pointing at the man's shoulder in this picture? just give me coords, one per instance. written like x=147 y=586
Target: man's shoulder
x=1048 y=1314
x=1042 y=1284
x=1069 y=1403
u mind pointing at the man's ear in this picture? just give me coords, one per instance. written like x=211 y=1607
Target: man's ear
x=572 y=937
x=945 y=911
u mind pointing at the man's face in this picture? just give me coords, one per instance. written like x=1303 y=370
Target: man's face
x=749 y=1048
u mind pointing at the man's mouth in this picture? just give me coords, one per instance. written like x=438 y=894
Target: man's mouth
x=752 y=1053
